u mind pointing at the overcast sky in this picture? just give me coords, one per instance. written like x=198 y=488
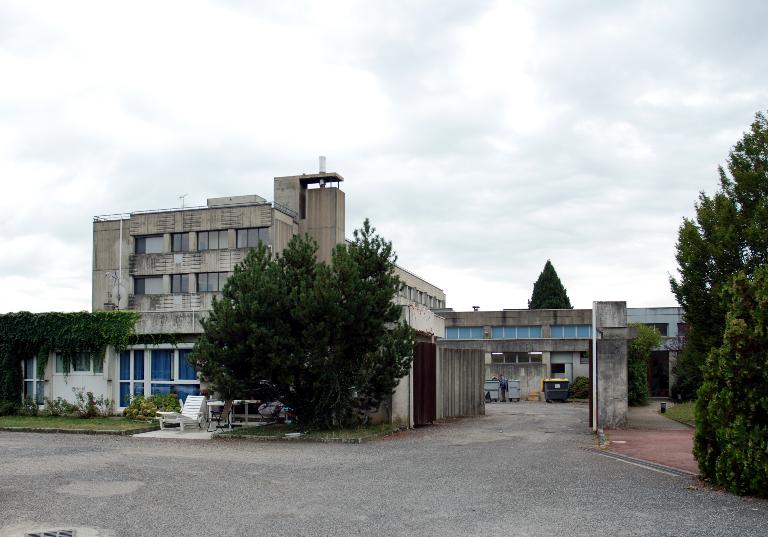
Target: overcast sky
x=482 y=138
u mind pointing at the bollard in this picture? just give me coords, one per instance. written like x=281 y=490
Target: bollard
x=663 y=408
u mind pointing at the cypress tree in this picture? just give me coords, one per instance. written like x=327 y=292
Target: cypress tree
x=548 y=291
x=729 y=234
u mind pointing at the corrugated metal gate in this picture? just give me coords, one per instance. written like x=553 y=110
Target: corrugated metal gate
x=424 y=383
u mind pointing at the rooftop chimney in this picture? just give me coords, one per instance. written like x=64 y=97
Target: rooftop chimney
x=322 y=164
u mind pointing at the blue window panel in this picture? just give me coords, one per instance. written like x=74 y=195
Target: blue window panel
x=464 y=332
x=162 y=361
x=556 y=331
x=125 y=391
x=569 y=331
x=39 y=393
x=138 y=388
x=138 y=365
x=476 y=332
x=187 y=389
x=535 y=331
x=164 y=389
x=452 y=332
x=497 y=332
x=583 y=330
x=125 y=366
x=186 y=370
x=523 y=332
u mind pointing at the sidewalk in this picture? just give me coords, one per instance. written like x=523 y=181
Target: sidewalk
x=652 y=437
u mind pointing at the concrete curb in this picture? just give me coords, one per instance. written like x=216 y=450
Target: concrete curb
x=112 y=432
x=306 y=439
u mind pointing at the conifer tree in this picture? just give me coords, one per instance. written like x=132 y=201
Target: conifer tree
x=548 y=291
x=729 y=234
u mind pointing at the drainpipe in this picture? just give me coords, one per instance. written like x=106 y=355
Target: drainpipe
x=594 y=367
x=120 y=262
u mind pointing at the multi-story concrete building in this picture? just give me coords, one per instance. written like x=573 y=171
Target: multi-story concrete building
x=170 y=264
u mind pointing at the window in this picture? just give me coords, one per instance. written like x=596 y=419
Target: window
x=464 y=332
x=33 y=386
x=515 y=332
x=162 y=363
x=169 y=370
x=251 y=237
x=558 y=369
x=180 y=242
x=570 y=331
x=211 y=282
x=186 y=370
x=213 y=240
x=516 y=357
x=150 y=244
x=661 y=327
x=152 y=285
x=81 y=362
x=180 y=283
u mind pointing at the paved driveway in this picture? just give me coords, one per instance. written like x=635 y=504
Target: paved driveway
x=524 y=469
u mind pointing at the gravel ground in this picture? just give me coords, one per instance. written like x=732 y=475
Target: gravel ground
x=524 y=469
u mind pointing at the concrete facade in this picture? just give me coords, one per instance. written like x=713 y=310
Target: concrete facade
x=161 y=263
x=542 y=348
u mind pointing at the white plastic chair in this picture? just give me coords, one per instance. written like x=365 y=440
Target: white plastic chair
x=194 y=412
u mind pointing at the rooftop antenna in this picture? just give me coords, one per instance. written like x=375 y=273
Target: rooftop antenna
x=182 y=199
x=475 y=308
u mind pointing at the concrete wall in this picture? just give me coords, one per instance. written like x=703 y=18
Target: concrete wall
x=529 y=375
x=324 y=220
x=109 y=272
x=612 y=382
x=422 y=319
x=460 y=383
x=545 y=318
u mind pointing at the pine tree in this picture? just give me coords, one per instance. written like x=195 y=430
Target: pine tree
x=548 y=291
x=728 y=235
x=326 y=339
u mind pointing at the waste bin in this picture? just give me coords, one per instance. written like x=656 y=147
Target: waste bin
x=491 y=390
x=513 y=392
x=555 y=389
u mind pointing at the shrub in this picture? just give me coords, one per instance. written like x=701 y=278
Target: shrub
x=731 y=439
x=85 y=403
x=638 y=351
x=141 y=409
x=8 y=408
x=579 y=388
x=58 y=407
x=28 y=407
x=166 y=403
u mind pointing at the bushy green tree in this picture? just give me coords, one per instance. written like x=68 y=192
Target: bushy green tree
x=638 y=351
x=548 y=291
x=327 y=338
x=731 y=439
x=729 y=234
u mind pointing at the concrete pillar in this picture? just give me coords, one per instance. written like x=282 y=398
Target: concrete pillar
x=612 y=383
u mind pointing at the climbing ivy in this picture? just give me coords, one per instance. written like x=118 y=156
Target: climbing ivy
x=25 y=334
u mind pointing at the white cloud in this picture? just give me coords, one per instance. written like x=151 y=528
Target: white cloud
x=482 y=138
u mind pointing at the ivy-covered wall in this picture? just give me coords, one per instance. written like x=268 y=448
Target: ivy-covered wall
x=25 y=334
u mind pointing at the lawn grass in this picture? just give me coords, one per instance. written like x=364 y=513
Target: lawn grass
x=68 y=422
x=682 y=412
x=281 y=429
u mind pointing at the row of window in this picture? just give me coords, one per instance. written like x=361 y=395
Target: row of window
x=207 y=282
x=206 y=240
x=420 y=297
x=519 y=332
x=169 y=372
x=516 y=357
